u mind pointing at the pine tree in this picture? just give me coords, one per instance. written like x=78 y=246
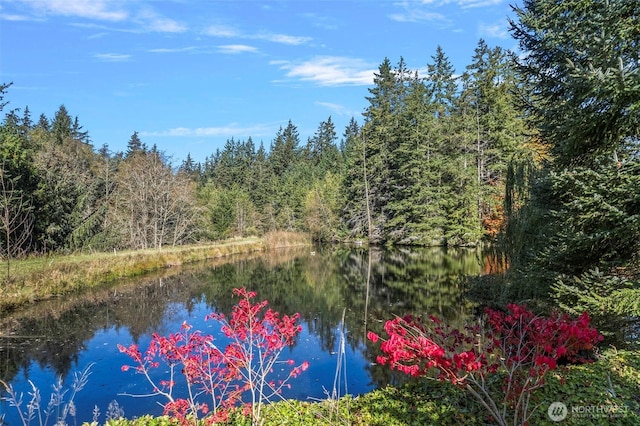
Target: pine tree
x=61 y=125
x=354 y=185
x=489 y=106
x=576 y=234
x=135 y=146
x=284 y=149
x=323 y=152
x=43 y=123
x=582 y=71
x=380 y=135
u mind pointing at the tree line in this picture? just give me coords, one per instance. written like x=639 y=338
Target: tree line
x=504 y=148
x=426 y=167
x=537 y=152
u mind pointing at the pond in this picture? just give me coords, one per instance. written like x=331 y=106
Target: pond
x=366 y=287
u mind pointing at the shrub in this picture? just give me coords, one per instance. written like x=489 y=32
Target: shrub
x=516 y=346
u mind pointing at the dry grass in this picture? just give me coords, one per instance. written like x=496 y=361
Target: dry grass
x=41 y=278
x=281 y=239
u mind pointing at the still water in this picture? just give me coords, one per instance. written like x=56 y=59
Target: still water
x=367 y=287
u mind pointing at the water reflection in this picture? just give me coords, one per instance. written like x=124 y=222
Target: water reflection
x=369 y=286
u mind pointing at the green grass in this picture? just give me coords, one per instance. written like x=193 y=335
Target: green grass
x=41 y=278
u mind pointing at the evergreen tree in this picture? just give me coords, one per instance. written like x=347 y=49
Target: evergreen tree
x=190 y=168
x=77 y=133
x=324 y=153
x=575 y=237
x=43 y=123
x=582 y=69
x=3 y=90
x=441 y=83
x=284 y=149
x=61 y=125
x=409 y=220
x=134 y=146
x=494 y=119
x=380 y=132
x=259 y=181
x=354 y=185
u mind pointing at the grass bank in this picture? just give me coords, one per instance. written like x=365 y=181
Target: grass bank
x=604 y=392
x=41 y=278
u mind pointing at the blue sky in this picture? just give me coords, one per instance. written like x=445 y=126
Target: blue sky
x=188 y=75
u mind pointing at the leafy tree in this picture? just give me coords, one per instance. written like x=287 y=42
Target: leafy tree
x=230 y=212
x=18 y=180
x=16 y=220
x=67 y=193
x=153 y=206
x=322 y=204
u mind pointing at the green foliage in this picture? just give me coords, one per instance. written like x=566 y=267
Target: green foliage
x=582 y=74
x=612 y=382
x=598 y=213
x=322 y=204
x=612 y=301
x=573 y=218
x=414 y=173
x=230 y=212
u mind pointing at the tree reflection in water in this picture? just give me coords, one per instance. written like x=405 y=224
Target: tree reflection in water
x=57 y=337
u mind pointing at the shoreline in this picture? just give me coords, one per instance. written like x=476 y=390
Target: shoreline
x=33 y=280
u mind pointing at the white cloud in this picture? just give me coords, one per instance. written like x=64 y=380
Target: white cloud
x=465 y=4
x=173 y=50
x=112 y=57
x=152 y=22
x=108 y=10
x=281 y=38
x=232 y=129
x=413 y=11
x=496 y=30
x=236 y=48
x=413 y=14
x=94 y=9
x=321 y=21
x=221 y=31
x=14 y=17
x=229 y=32
x=329 y=71
x=339 y=109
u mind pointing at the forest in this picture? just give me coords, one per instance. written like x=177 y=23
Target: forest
x=427 y=167
x=536 y=153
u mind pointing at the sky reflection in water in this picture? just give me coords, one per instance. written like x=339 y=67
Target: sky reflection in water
x=62 y=337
